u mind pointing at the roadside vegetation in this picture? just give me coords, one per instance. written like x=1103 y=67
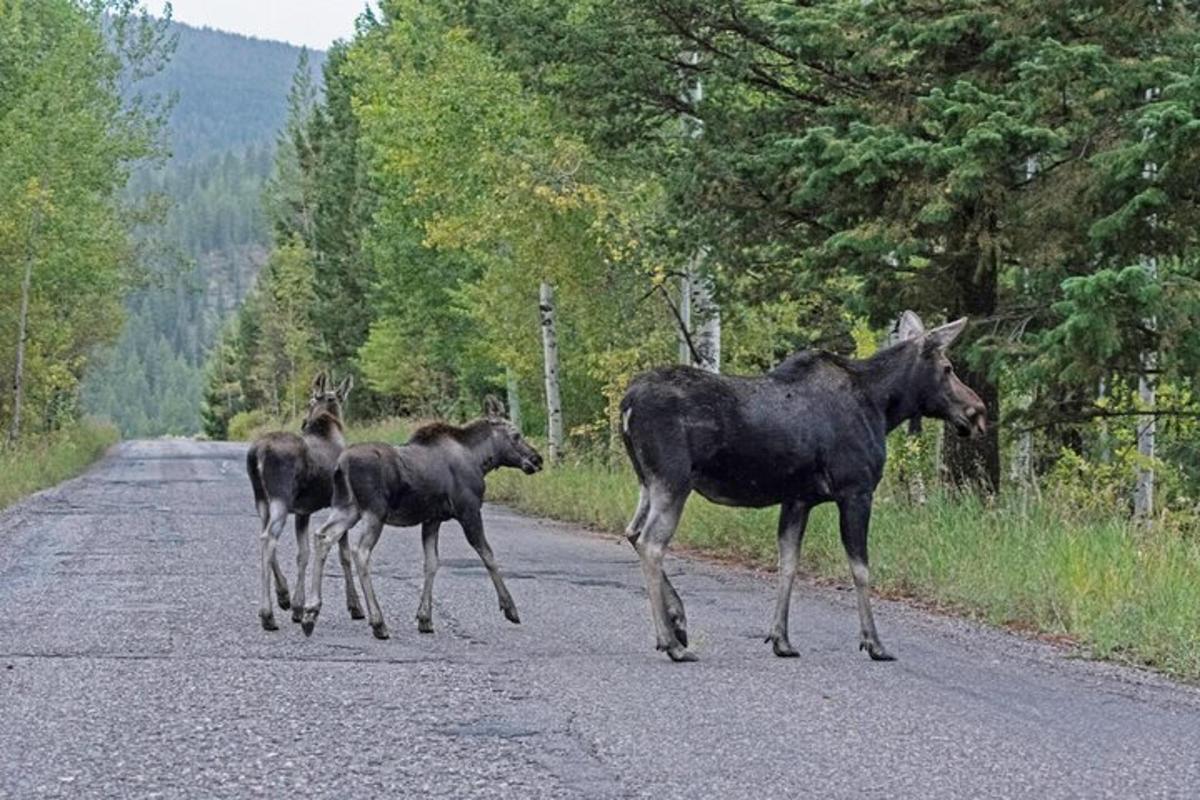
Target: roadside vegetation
x=38 y=463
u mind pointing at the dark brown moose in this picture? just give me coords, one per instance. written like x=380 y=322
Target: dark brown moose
x=811 y=431
x=437 y=476
x=293 y=474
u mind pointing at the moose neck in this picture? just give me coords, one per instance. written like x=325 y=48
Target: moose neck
x=325 y=426
x=484 y=450
x=887 y=382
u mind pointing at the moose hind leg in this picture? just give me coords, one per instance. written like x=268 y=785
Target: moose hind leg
x=472 y=525
x=634 y=528
x=334 y=530
x=362 y=560
x=661 y=521
x=429 y=542
x=268 y=541
x=855 y=519
x=344 y=556
x=793 y=518
x=302 y=552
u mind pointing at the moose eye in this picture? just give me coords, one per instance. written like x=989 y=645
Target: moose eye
x=948 y=369
x=516 y=437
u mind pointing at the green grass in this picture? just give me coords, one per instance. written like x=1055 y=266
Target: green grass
x=1120 y=592
x=34 y=464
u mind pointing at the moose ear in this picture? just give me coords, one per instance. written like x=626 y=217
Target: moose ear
x=909 y=326
x=343 y=389
x=319 y=383
x=493 y=408
x=944 y=336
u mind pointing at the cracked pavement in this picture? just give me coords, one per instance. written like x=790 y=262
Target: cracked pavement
x=132 y=664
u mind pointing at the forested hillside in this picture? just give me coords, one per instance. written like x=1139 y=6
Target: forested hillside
x=805 y=171
x=230 y=96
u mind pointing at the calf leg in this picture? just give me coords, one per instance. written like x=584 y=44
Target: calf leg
x=352 y=604
x=855 y=519
x=661 y=521
x=268 y=540
x=472 y=525
x=334 y=530
x=793 y=518
x=674 y=606
x=362 y=560
x=429 y=541
x=302 y=548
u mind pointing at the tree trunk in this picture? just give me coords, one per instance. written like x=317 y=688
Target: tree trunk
x=975 y=463
x=685 y=317
x=514 y=397
x=1147 y=428
x=707 y=333
x=22 y=334
x=550 y=350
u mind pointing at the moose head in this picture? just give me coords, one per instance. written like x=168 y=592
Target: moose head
x=939 y=391
x=511 y=448
x=328 y=400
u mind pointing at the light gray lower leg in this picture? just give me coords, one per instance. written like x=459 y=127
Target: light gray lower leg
x=334 y=530
x=472 y=525
x=661 y=521
x=269 y=539
x=634 y=528
x=362 y=560
x=302 y=554
x=855 y=520
x=352 y=603
x=792 y=521
x=429 y=542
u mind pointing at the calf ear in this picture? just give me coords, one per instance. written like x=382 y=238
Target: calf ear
x=493 y=408
x=944 y=336
x=343 y=389
x=909 y=326
x=319 y=383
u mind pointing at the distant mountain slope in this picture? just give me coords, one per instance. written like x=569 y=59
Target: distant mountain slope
x=231 y=89
x=231 y=101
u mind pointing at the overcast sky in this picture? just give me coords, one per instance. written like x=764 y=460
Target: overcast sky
x=315 y=23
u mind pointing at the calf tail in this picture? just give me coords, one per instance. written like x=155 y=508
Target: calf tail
x=253 y=470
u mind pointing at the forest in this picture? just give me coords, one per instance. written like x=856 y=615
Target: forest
x=727 y=183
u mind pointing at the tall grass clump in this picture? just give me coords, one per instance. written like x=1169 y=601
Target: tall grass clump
x=1053 y=566
x=34 y=464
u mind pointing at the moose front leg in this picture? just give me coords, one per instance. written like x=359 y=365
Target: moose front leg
x=855 y=520
x=334 y=530
x=793 y=518
x=472 y=525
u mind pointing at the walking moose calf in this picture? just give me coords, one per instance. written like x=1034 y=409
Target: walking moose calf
x=811 y=431
x=437 y=476
x=293 y=474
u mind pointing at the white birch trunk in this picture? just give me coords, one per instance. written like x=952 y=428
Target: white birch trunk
x=550 y=352
x=1143 y=493
x=685 y=317
x=513 y=397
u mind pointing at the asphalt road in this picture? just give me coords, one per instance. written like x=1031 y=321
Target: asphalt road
x=132 y=664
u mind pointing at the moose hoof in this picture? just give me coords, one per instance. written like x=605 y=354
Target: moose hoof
x=680 y=630
x=285 y=602
x=297 y=614
x=678 y=653
x=380 y=630
x=876 y=651
x=357 y=613
x=511 y=615
x=424 y=625
x=782 y=647
x=309 y=622
x=268 y=622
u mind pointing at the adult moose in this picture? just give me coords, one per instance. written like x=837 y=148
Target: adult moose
x=437 y=476
x=811 y=431
x=293 y=474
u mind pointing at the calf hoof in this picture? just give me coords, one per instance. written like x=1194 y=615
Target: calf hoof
x=268 y=622
x=297 y=614
x=782 y=647
x=309 y=621
x=357 y=613
x=381 y=631
x=511 y=615
x=424 y=625
x=680 y=630
x=680 y=654
x=876 y=651
x=285 y=602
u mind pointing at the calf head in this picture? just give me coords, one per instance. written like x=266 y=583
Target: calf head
x=327 y=400
x=511 y=448
x=939 y=391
